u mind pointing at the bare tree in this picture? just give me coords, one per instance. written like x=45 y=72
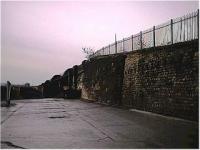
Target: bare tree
x=88 y=51
x=144 y=44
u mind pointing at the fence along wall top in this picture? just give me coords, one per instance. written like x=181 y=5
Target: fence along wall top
x=168 y=23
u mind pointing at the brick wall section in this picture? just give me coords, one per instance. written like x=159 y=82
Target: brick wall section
x=163 y=80
x=102 y=79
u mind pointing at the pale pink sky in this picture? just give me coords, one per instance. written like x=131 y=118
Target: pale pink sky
x=41 y=39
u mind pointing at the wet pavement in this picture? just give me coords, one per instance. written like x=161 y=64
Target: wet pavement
x=59 y=123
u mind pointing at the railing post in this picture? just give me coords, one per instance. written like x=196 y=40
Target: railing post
x=198 y=23
x=115 y=44
x=109 y=49
x=132 y=41
x=141 y=40
x=154 y=37
x=115 y=47
x=123 y=45
x=184 y=29
x=171 y=31
x=181 y=30
x=187 y=30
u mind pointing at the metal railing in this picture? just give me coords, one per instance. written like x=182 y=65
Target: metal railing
x=185 y=28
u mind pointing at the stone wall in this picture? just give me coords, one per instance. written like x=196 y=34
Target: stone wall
x=101 y=79
x=163 y=80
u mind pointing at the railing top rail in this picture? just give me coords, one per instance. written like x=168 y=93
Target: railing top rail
x=148 y=30
x=120 y=41
x=128 y=38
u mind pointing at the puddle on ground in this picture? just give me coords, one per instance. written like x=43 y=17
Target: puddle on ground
x=55 y=117
x=51 y=108
x=59 y=117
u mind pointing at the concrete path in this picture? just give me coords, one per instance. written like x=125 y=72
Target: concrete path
x=59 y=123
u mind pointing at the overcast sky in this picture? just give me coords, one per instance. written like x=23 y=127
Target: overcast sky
x=41 y=39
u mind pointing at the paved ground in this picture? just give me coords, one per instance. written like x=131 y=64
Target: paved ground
x=58 y=123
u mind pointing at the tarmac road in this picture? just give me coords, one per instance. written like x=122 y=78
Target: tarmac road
x=59 y=123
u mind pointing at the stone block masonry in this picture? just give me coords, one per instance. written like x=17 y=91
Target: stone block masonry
x=163 y=80
x=102 y=79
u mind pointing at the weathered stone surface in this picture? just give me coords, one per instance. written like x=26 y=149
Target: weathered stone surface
x=101 y=79
x=163 y=80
